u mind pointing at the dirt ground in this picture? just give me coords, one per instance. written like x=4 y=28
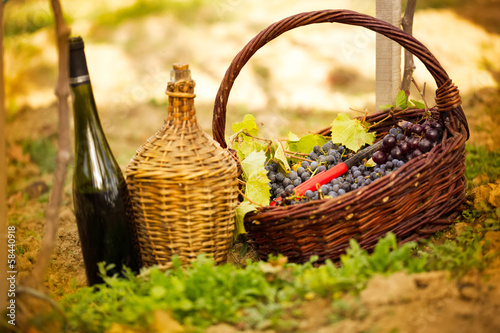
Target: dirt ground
x=429 y=302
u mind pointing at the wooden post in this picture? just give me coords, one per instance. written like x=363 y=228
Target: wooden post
x=388 y=55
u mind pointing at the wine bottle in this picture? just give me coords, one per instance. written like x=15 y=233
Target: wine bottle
x=100 y=195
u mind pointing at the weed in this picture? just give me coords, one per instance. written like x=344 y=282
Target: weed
x=480 y=161
x=42 y=152
x=20 y=250
x=255 y=297
x=261 y=295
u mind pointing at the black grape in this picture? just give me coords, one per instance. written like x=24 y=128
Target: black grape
x=405 y=147
x=424 y=145
x=389 y=141
x=396 y=152
x=417 y=153
x=417 y=129
x=280 y=177
x=432 y=134
x=414 y=142
x=379 y=157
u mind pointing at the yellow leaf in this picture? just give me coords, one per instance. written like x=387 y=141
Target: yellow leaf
x=164 y=323
x=118 y=328
x=350 y=133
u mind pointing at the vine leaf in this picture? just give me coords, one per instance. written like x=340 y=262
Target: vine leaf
x=242 y=209
x=293 y=137
x=350 y=132
x=280 y=154
x=255 y=176
x=246 y=131
x=402 y=100
x=247 y=146
x=248 y=124
x=418 y=104
x=306 y=143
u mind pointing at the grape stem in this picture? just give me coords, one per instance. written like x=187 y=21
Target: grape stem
x=422 y=94
x=296 y=153
x=290 y=154
x=235 y=136
x=390 y=115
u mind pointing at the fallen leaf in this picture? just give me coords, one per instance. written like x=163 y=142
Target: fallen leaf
x=16 y=153
x=164 y=323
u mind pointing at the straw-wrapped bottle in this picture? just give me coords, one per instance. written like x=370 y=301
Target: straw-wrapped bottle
x=183 y=185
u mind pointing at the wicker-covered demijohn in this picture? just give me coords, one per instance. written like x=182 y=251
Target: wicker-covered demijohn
x=425 y=195
x=183 y=185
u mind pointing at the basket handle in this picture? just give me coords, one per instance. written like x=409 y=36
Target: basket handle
x=447 y=95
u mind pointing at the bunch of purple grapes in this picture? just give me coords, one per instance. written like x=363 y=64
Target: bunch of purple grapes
x=404 y=142
x=320 y=158
x=409 y=140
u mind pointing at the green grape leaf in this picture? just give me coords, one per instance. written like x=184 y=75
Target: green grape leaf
x=280 y=154
x=242 y=209
x=255 y=176
x=420 y=104
x=350 y=132
x=386 y=106
x=257 y=189
x=248 y=124
x=293 y=137
x=306 y=143
x=253 y=164
x=402 y=99
x=248 y=145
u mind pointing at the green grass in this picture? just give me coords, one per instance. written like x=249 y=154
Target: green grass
x=42 y=152
x=480 y=161
x=185 y=11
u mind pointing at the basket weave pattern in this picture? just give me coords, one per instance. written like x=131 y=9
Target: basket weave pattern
x=184 y=188
x=420 y=198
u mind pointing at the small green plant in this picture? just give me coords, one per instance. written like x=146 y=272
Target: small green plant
x=480 y=161
x=260 y=295
x=466 y=252
x=253 y=297
x=42 y=152
x=20 y=250
x=403 y=102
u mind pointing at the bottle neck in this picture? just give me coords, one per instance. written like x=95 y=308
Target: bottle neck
x=86 y=119
x=78 y=71
x=181 y=110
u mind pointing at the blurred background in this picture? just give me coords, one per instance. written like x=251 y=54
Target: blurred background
x=298 y=82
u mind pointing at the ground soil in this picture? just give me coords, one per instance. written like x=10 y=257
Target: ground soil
x=429 y=302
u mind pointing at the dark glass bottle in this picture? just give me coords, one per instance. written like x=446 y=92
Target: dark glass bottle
x=100 y=195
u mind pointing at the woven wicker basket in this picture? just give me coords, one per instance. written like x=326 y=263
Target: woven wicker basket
x=183 y=186
x=420 y=198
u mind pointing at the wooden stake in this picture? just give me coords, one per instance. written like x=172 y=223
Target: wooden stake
x=63 y=152
x=388 y=55
x=407 y=24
